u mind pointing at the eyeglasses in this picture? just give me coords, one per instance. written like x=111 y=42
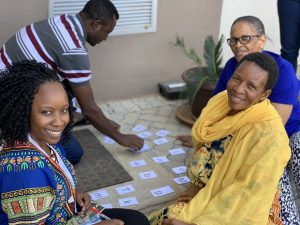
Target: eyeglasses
x=243 y=39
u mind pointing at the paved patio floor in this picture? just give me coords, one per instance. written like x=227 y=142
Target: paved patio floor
x=149 y=114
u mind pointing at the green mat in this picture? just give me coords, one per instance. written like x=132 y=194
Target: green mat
x=97 y=168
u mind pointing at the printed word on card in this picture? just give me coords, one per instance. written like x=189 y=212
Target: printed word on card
x=161 y=191
x=162 y=133
x=138 y=163
x=147 y=175
x=128 y=201
x=179 y=169
x=182 y=180
x=176 y=151
x=125 y=189
x=99 y=195
x=139 y=128
x=160 y=159
x=145 y=134
x=160 y=141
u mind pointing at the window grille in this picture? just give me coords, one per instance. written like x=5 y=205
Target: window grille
x=136 y=16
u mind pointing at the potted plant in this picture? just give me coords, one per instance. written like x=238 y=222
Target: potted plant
x=201 y=80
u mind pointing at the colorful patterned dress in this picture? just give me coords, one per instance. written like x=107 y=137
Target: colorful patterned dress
x=33 y=188
x=200 y=169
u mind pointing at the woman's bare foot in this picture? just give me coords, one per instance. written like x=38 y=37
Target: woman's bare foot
x=186 y=140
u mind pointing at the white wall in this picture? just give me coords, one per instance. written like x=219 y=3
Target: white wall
x=265 y=10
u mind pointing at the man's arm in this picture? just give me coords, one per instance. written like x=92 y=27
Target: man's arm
x=283 y=110
x=91 y=110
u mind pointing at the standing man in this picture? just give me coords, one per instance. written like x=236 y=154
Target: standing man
x=289 y=21
x=60 y=43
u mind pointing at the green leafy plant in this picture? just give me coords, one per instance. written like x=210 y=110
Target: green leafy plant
x=200 y=75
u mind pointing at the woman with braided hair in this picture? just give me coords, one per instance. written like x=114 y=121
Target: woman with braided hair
x=37 y=182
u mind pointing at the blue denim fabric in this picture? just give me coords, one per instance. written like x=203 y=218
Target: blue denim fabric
x=289 y=21
x=73 y=150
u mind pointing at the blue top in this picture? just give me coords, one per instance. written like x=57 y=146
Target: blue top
x=33 y=188
x=285 y=91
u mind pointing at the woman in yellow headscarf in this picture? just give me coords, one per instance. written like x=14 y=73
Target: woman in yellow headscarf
x=241 y=151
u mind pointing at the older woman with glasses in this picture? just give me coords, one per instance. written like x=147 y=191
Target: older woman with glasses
x=247 y=35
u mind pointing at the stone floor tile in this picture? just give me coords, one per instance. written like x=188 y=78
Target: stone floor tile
x=155 y=113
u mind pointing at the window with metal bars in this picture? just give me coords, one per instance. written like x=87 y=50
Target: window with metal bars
x=136 y=16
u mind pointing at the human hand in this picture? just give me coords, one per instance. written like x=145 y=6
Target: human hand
x=130 y=140
x=174 y=222
x=186 y=140
x=114 y=125
x=84 y=200
x=111 y=222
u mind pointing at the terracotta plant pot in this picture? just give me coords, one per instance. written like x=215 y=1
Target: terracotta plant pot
x=201 y=98
x=204 y=93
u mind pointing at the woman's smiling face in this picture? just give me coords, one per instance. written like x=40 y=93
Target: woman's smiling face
x=256 y=43
x=49 y=115
x=247 y=86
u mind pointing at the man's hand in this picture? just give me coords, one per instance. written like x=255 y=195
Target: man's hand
x=174 y=222
x=84 y=200
x=91 y=110
x=111 y=222
x=130 y=140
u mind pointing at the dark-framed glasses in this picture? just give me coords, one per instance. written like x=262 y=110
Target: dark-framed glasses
x=245 y=39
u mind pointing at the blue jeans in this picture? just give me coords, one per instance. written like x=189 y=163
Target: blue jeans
x=73 y=150
x=289 y=21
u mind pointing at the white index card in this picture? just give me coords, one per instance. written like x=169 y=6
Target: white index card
x=139 y=128
x=161 y=191
x=147 y=175
x=128 y=201
x=125 y=189
x=160 y=141
x=162 y=133
x=107 y=205
x=138 y=163
x=143 y=149
x=108 y=140
x=145 y=134
x=179 y=169
x=182 y=180
x=160 y=159
x=176 y=151
x=99 y=195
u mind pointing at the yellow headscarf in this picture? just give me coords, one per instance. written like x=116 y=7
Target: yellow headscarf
x=244 y=182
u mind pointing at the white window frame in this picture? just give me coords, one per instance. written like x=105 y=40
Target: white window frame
x=136 y=16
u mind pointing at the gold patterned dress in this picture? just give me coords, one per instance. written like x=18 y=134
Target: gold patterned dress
x=199 y=171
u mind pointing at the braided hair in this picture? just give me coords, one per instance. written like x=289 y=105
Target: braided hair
x=18 y=86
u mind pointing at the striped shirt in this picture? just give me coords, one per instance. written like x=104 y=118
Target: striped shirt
x=59 y=42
